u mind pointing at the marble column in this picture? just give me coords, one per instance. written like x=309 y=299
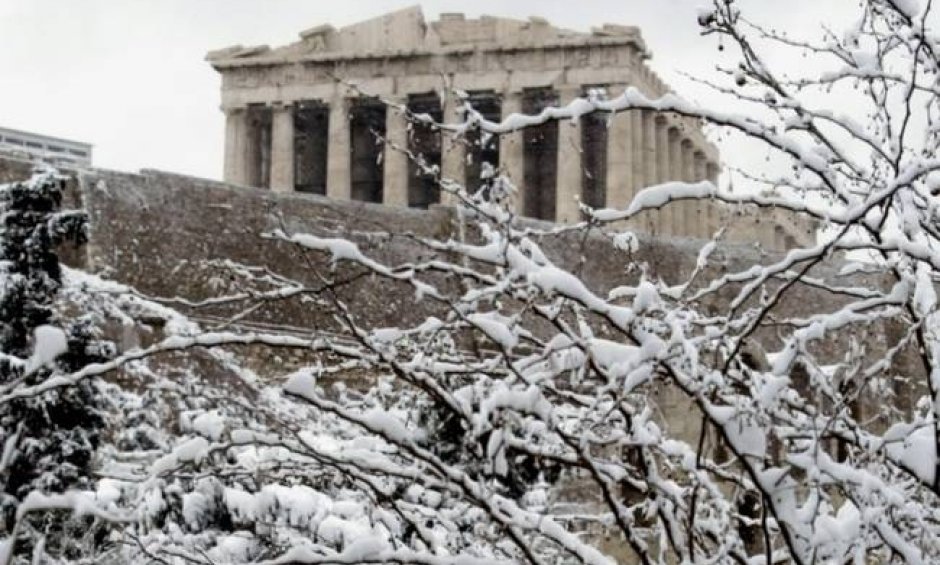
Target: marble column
x=453 y=151
x=338 y=173
x=570 y=175
x=711 y=173
x=714 y=214
x=703 y=207
x=282 y=148
x=699 y=164
x=639 y=153
x=255 y=148
x=511 y=150
x=649 y=169
x=621 y=186
x=236 y=140
x=395 y=189
x=662 y=170
x=673 y=211
x=690 y=217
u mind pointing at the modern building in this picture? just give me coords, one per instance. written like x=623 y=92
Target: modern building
x=45 y=148
x=307 y=116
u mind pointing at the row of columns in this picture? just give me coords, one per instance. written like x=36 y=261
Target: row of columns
x=643 y=148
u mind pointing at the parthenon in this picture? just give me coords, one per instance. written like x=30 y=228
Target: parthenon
x=291 y=125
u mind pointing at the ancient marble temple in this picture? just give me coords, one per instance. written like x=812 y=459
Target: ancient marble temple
x=307 y=116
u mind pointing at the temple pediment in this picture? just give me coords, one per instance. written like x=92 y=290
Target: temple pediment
x=407 y=31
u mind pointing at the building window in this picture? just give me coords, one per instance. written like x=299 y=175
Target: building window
x=366 y=130
x=424 y=142
x=311 y=146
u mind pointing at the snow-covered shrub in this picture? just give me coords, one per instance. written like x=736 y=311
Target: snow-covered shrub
x=49 y=438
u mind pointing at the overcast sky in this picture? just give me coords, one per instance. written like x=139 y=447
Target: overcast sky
x=129 y=75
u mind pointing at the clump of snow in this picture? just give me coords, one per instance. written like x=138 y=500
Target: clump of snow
x=914 y=448
x=48 y=343
x=210 y=425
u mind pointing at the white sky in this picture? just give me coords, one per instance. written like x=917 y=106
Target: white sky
x=129 y=75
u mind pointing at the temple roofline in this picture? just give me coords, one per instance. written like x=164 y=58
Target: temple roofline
x=405 y=33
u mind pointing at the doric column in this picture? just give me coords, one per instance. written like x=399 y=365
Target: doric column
x=569 y=174
x=648 y=170
x=338 y=174
x=621 y=185
x=688 y=160
x=453 y=151
x=236 y=141
x=713 y=214
x=282 y=148
x=711 y=173
x=511 y=150
x=395 y=190
x=703 y=209
x=690 y=218
x=699 y=164
x=662 y=168
x=673 y=211
x=255 y=148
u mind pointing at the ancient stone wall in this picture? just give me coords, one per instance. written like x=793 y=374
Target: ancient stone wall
x=168 y=235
